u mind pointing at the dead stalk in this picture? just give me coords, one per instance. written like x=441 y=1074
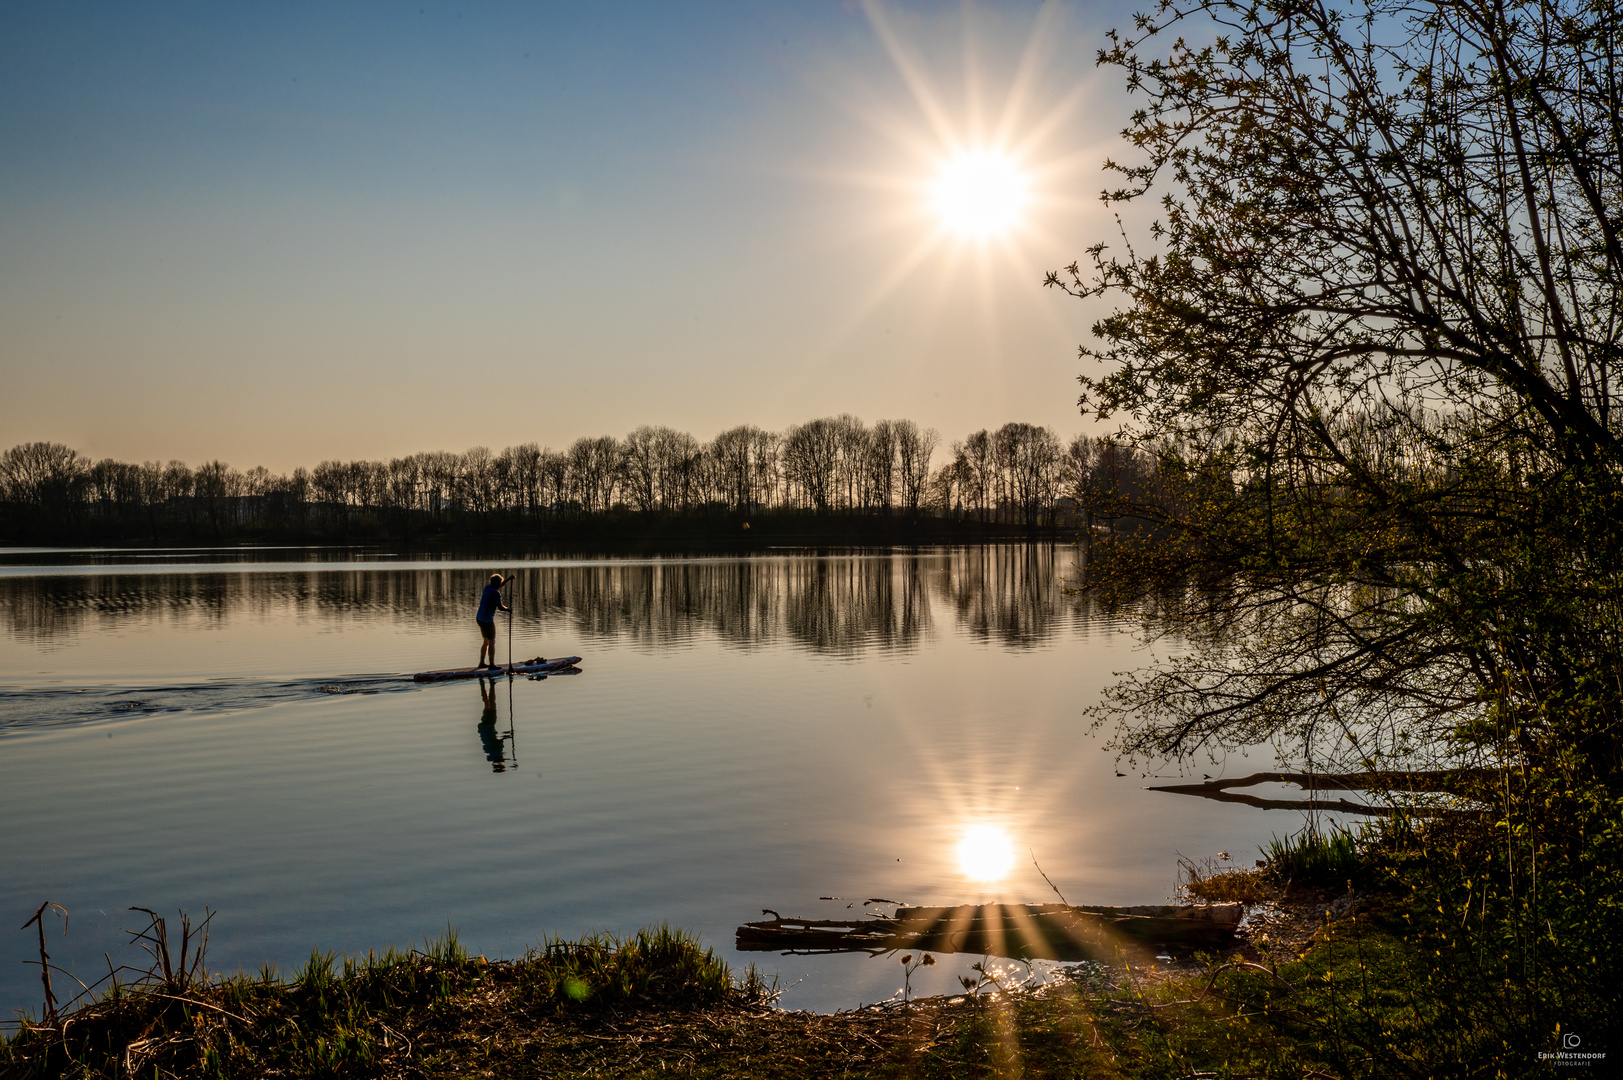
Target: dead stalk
x=45 y=957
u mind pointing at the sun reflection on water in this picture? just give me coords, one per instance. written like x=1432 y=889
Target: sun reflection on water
x=985 y=853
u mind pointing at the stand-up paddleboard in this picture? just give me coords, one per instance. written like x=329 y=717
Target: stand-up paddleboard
x=543 y=667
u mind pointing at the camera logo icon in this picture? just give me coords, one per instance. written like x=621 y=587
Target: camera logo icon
x=1570 y=1040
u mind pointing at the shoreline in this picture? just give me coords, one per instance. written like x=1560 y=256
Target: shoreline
x=650 y=1004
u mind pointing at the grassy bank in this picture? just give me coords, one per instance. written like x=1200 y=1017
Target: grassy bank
x=658 y=1004
x=652 y=1005
x=1388 y=954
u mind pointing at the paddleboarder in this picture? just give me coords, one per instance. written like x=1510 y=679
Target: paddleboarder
x=490 y=602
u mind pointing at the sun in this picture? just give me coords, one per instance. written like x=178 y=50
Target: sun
x=980 y=194
x=976 y=162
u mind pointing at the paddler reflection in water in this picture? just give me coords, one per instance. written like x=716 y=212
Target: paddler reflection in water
x=495 y=752
x=490 y=602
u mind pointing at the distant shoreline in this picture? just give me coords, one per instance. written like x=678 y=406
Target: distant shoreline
x=829 y=481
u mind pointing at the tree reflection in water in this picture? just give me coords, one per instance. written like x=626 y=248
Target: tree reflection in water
x=830 y=604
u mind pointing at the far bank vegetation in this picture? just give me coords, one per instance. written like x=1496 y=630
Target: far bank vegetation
x=1019 y=477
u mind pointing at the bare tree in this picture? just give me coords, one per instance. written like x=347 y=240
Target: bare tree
x=944 y=492
x=811 y=454
x=735 y=453
x=913 y=449
x=47 y=479
x=213 y=486
x=527 y=459
x=879 y=467
x=974 y=459
x=641 y=467
x=1028 y=458
x=594 y=472
x=851 y=452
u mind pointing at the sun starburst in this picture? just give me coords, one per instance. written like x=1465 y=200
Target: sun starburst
x=980 y=193
x=981 y=161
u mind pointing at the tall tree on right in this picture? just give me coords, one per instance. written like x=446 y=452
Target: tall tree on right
x=1373 y=337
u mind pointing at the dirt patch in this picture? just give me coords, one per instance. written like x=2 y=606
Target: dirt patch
x=1280 y=915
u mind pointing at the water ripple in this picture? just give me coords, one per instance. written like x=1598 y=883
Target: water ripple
x=35 y=708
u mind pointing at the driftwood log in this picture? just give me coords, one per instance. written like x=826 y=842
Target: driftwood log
x=1016 y=931
x=1440 y=781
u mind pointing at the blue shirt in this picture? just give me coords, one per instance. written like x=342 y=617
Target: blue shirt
x=489 y=601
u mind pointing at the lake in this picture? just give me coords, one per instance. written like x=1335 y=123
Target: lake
x=236 y=730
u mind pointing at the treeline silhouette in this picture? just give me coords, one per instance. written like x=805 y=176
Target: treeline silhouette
x=845 y=605
x=820 y=479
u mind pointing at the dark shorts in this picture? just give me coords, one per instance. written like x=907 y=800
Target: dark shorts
x=488 y=629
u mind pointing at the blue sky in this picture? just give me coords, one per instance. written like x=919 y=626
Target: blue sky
x=274 y=234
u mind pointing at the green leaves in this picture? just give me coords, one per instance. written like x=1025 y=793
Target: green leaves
x=1371 y=345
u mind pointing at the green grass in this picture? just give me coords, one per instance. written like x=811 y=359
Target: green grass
x=353 y=1015
x=654 y=966
x=1312 y=858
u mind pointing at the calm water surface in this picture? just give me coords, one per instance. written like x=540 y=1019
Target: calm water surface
x=187 y=729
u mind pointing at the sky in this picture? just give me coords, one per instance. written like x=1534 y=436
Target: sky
x=275 y=234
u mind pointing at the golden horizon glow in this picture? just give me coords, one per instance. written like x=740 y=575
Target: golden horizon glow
x=980 y=193
x=985 y=853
